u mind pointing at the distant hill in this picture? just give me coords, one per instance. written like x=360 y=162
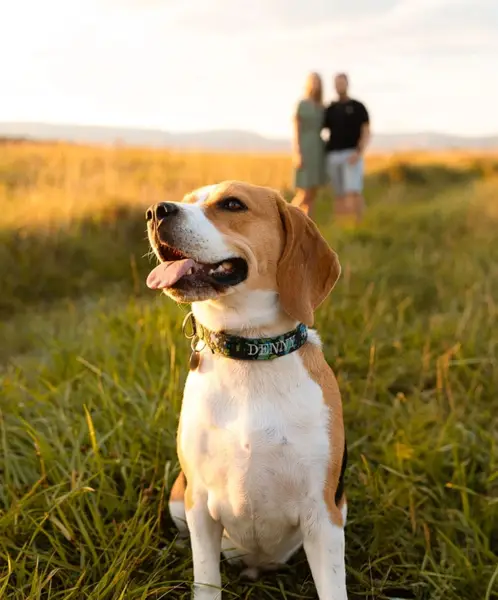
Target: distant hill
x=227 y=140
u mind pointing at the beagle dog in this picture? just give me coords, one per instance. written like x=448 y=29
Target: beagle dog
x=261 y=439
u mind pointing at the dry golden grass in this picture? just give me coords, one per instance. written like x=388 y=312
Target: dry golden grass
x=58 y=183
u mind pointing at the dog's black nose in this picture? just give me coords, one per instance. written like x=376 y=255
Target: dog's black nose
x=160 y=211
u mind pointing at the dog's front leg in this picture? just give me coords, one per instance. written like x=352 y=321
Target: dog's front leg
x=205 y=539
x=323 y=542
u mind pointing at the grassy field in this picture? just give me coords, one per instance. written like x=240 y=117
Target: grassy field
x=92 y=366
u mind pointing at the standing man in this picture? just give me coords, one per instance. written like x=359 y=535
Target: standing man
x=348 y=124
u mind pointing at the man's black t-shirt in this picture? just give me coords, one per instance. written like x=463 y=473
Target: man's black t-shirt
x=344 y=121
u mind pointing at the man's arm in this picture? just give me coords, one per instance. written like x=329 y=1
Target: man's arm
x=364 y=137
x=365 y=131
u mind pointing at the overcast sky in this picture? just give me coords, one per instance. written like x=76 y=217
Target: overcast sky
x=185 y=65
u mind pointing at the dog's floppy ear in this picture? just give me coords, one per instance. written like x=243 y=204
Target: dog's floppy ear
x=308 y=268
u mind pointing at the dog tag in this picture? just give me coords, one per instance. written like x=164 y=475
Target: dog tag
x=195 y=359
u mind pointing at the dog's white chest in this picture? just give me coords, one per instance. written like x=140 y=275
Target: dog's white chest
x=256 y=436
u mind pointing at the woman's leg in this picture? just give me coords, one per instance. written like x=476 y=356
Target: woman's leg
x=298 y=197
x=310 y=202
x=305 y=200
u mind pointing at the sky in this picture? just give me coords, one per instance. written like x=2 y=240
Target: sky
x=190 y=65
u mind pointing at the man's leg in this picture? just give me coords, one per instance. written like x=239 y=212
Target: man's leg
x=335 y=175
x=341 y=205
x=354 y=203
x=353 y=184
x=359 y=206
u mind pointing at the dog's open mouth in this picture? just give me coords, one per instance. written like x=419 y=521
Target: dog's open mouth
x=178 y=270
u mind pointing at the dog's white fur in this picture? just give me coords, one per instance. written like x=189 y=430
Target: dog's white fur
x=254 y=438
x=261 y=454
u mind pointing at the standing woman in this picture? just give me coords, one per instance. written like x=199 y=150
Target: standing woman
x=308 y=146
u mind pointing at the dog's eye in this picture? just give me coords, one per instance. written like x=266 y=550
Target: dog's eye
x=232 y=204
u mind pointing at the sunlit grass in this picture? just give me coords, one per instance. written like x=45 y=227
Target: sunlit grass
x=92 y=368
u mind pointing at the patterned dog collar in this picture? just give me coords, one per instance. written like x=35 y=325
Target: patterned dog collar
x=239 y=348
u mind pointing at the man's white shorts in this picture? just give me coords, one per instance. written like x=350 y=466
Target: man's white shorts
x=344 y=177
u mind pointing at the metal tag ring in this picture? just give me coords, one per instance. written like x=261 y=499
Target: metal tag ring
x=189 y=317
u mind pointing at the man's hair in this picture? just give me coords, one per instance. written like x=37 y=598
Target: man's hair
x=343 y=76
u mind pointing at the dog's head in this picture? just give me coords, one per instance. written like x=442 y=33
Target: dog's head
x=234 y=239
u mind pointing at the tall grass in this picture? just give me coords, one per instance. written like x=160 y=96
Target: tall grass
x=92 y=366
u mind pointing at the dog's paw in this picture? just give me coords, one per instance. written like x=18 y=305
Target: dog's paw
x=181 y=543
x=250 y=574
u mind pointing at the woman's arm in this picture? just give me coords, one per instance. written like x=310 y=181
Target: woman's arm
x=296 y=139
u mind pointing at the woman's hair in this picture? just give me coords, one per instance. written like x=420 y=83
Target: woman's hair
x=314 y=88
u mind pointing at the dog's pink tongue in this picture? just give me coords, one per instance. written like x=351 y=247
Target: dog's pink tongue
x=168 y=273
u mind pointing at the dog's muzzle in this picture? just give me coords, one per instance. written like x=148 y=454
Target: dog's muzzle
x=160 y=211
